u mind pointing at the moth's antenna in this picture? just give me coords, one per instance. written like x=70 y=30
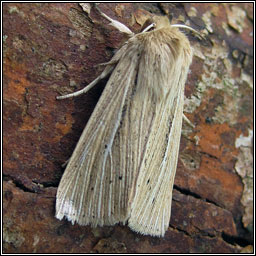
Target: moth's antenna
x=149 y=27
x=187 y=27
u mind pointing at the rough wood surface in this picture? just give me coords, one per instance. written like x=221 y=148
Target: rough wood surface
x=52 y=48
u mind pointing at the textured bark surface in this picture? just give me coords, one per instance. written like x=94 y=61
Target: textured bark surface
x=52 y=48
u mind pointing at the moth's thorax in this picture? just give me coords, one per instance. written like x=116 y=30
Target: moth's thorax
x=163 y=32
x=163 y=38
x=163 y=56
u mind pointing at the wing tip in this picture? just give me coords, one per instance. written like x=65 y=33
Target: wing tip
x=147 y=229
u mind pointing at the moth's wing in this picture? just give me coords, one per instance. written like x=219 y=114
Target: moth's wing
x=151 y=205
x=93 y=189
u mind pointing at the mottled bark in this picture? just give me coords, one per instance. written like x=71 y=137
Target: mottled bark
x=52 y=48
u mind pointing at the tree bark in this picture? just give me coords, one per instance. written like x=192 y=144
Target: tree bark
x=52 y=48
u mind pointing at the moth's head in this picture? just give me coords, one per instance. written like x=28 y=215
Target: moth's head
x=158 y=21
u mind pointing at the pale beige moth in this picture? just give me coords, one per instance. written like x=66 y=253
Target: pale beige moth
x=123 y=167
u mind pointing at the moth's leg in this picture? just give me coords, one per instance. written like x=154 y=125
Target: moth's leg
x=187 y=121
x=106 y=71
x=118 y=25
x=111 y=62
x=65 y=163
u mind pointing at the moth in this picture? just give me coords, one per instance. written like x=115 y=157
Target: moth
x=123 y=167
